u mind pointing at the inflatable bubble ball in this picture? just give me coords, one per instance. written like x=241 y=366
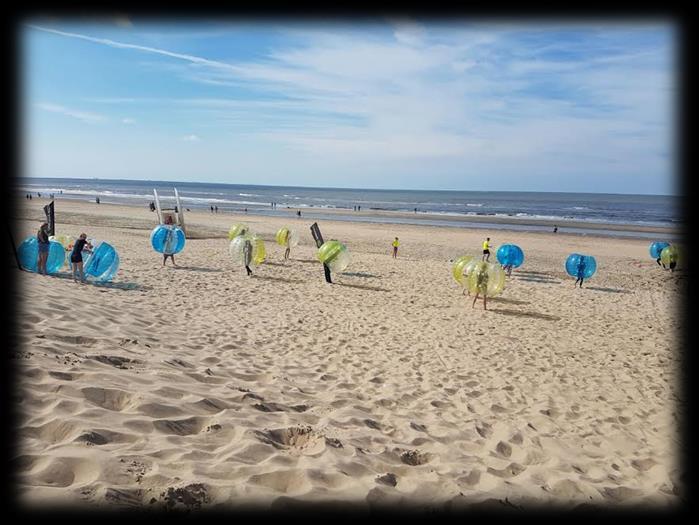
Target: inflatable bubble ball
x=237 y=249
x=28 y=253
x=287 y=238
x=672 y=254
x=236 y=230
x=102 y=264
x=457 y=269
x=486 y=279
x=335 y=255
x=66 y=241
x=510 y=255
x=657 y=247
x=167 y=239
x=578 y=265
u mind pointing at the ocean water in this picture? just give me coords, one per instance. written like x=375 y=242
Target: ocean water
x=640 y=210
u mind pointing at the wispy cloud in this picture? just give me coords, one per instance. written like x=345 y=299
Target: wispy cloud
x=90 y=118
x=490 y=99
x=128 y=121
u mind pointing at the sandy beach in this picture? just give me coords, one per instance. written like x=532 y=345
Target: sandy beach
x=198 y=386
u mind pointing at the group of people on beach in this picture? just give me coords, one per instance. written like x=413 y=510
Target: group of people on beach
x=76 y=253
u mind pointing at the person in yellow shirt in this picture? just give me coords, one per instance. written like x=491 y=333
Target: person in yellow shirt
x=395 y=244
x=486 y=249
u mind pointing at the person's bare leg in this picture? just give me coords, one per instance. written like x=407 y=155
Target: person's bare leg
x=75 y=271
x=485 y=301
x=474 y=300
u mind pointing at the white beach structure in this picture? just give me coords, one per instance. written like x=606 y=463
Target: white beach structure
x=176 y=213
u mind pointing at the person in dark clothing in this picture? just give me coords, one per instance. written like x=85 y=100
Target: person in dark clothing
x=581 y=271
x=42 y=236
x=247 y=255
x=212 y=209
x=555 y=229
x=76 y=257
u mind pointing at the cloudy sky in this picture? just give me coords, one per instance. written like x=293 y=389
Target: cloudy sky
x=392 y=103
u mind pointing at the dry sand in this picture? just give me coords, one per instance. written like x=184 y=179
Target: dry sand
x=198 y=385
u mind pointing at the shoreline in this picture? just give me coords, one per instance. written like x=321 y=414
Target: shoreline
x=519 y=224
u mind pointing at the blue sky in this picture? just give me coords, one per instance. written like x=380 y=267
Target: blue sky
x=394 y=103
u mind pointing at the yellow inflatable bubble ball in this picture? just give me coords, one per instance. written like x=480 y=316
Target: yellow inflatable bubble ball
x=672 y=253
x=335 y=255
x=258 y=249
x=486 y=279
x=457 y=270
x=66 y=241
x=237 y=249
x=236 y=230
x=287 y=238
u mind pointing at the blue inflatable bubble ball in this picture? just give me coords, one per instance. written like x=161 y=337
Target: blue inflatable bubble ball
x=167 y=239
x=657 y=247
x=510 y=255
x=102 y=264
x=28 y=253
x=578 y=265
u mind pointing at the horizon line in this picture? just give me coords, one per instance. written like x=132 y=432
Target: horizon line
x=352 y=188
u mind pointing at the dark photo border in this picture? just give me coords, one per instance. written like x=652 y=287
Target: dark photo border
x=354 y=13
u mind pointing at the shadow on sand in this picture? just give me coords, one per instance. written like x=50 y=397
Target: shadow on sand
x=363 y=287
x=196 y=269
x=519 y=313
x=359 y=274
x=279 y=279
x=534 y=279
x=109 y=285
x=506 y=300
x=610 y=290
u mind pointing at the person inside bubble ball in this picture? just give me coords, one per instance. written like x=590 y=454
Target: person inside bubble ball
x=247 y=255
x=581 y=271
x=481 y=288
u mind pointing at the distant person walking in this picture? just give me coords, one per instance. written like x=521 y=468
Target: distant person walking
x=486 y=249
x=97 y=200
x=215 y=209
x=298 y=212
x=212 y=209
x=30 y=196
x=555 y=228
x=395 y=244
x=76 y=257
x=247 y=255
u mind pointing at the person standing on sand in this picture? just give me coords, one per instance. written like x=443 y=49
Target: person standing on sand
x=395 y=244
x=168 y=221
x=76 y=256
x=486 y=249
x=555 y=228
x=247 y=255
x=481 y=288
x=42 y=236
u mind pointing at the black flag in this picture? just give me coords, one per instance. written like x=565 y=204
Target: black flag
x=318 y=237
x=50 y=218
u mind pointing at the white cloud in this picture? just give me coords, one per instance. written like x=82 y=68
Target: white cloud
x=90 y=118
x=491 y=99
x=128 y=121
x=191 y=138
